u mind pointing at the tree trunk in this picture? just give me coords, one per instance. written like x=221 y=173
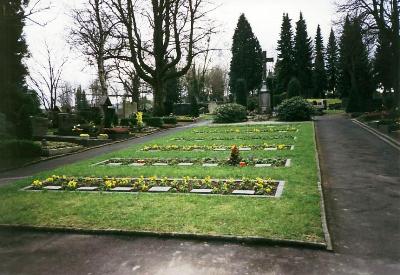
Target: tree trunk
x=102 y=76
x=159 y=99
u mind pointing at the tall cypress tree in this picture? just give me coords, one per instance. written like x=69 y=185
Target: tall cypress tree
x=319 y=72
x=285 y=62
x=303 y=57
x=247 y=62
x=331 y=63
x=355 y=69
x=384 y=67
x=17 y=103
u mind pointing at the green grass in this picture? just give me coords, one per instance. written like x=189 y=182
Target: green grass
x=296 y=215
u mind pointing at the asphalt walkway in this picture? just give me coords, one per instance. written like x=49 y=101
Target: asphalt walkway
x=361 y=184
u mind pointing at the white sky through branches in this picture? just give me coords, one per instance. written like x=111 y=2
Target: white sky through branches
x=265 y=17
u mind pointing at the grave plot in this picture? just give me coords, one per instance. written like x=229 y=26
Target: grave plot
x=215 y=147
x=205 y=162
x=246 y=129
x=230 y=137
x=259 y=186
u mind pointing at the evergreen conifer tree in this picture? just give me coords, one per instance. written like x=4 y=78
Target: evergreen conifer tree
x=384 y=65
x=319 y=72
x=331 y=63
x=247 y=61
x=355 y=69
x=303 y=57
x=17 y=102
x=285 y=62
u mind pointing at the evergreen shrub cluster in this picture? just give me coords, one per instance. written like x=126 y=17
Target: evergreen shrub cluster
x=295 y=109
x=230 y=113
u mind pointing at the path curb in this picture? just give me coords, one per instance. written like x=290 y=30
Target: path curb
x=394 y=143
x=325 y=228
x=172 y=235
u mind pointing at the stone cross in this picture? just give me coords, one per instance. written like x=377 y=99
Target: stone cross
x=266 y=60
x=265 y=94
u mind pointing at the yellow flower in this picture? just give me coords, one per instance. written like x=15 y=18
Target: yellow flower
x=37 y=184
x=281 y=146
x=72 y=184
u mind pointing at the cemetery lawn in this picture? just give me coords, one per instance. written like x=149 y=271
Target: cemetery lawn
x=294 y=216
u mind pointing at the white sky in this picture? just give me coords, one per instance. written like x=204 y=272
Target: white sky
x=265 y=17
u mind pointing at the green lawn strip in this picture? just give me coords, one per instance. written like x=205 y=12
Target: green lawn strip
x=294 y=216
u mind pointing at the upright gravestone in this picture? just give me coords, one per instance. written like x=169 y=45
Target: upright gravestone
x=65 y=124
x=212 y=106
x=129 y=109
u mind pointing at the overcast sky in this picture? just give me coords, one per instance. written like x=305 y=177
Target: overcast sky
x=265 y=17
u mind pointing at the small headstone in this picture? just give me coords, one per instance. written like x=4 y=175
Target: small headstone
x=259 y=165
x=185 y=164
x=160 y=164
x=210 y=164
x=220 y=149
x=114 y=164
x=243 y=192
x=199 y=140
x=153 y=151
x=122 y=189
x=201 y=191
x=52 y=188
x=137 y=164
x=198 y=150
x=288 y=163
x=270 y=149
x=245 y=149
x=159 y=189
x=91 y=188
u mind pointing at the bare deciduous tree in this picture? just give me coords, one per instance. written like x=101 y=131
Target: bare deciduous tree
x=176 y=29
x=46 y=77
x=92 y=34
x=379 y=18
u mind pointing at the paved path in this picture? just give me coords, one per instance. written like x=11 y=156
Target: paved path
x=362 y=196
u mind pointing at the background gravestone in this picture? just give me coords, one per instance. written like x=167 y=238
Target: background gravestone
x=65 y=124
x=40 y=125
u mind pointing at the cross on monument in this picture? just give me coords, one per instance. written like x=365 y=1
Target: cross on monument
x=266 y=60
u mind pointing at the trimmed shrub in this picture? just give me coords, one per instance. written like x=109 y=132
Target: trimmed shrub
x=13 y=149
x=230 y=113
x=170 y=120
x=154 y=121
x=295 y=109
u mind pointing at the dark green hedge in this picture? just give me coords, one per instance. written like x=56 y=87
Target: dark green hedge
x=154 y=121
x=230 y=113
x=14 y=149
x=170 y=120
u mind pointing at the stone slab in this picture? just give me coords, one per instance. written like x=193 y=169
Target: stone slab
x=288 y=163
x=210 y=164
x=220 y=149
x=201 y=191
x=122 y=189
x=159 y=189
x=160 y=164
x=52 y=188
x=92 y=188
x=260 y=165
x=137 y=164
x=185 y=164
x=244 y=192
x=114 y=164
x=271 y=149
x=245 y=149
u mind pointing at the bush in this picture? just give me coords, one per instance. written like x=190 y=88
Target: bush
x=13 y=148
x=170 y=120
x=230 y=113
x=295 y=109
x=154 y=121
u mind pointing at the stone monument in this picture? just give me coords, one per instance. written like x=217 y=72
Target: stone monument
x=265 y=101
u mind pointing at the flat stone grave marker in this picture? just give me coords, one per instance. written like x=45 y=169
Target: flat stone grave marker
x=159 y=189
x=210 y=164
x=220 y=149
x=271 y=149
x=245 y=149
x=94 y=188
x=160 y=164
x=122 y=189
x=288 y=163
x=185 y=164
x=114 y=164
x=198 y=150
x=137 y=164
x=260 y=165
x=52 y=188
x=201 y=191
x=199 y=140
x=153 y=151
x=243 y=192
